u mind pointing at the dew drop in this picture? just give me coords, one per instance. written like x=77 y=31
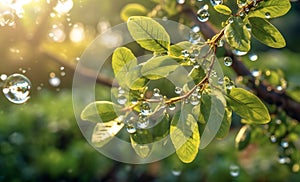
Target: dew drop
x=194 y=100
x=203 y=14
x=284 y=144
x=176 y=172
x=238 y=52
x=172 y=106
x=234 y=170
x=54 y=81
x=130 y=129
x=267 y=15
x=241 y=3
x=196 y=65
x=220 y=81
x=16 y=88
x=180 y=1
x=134 y=101
x=220 y=43
x=156 y=92
x=216 y=2
x=230 y=20
x=227 y=61
x=145 y=108
x=122 y=99
x=121 y=90
x=143 y=121
x=229 y=85
x=178 y=90
x=57 y=33
x=273 y=138
x=185 y=53
x=256 y=73
x=253 y=57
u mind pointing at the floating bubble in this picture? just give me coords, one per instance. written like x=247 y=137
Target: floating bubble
x=180 y=1
x=3 y=77
x=77 y=33
x=228 y=61
x=234 y=170
x=16 y=88
x=216 y=2
x=57 y=33
x=267 y=15
x=54 y=81
x=203 y=14
x=63 y=6
x=238 y=52
x=253 y=57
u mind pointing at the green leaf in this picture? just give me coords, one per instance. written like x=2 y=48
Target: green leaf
x=104 y=132
x=195 y=76
x=176 y=50
x=141 y=142
x=123 y=60
x=100 y=111
x=275 y=8
x=161 y=129
x=248 y=106
x=159 y=67
x=149 y=33
x=133 y=9
x=185 y=137
x=223 y=9
x=134 y=79
x=243 y=137
x=237 y=35
x=266 y=33
x=225 y=125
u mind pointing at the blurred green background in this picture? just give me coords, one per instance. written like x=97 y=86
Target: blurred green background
x=40 y=140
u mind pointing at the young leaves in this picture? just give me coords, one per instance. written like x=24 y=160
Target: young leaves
x=237 y=35
x=159 y=67
x=133 y=9
x=248 y=106
x=100 y=111
x=266 y=33
x=123 y=60
x=104 y=132
x=274 y=8
x=220 y=8
x=185 y=136
x=149 y=34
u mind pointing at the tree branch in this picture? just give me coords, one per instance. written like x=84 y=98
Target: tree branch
x=291 y=107
x=88 y=73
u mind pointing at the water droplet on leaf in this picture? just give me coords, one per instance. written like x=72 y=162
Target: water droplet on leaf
x=227 y=61
x=146 y=108
x=253 y=57
x=238 y=52
x=180 y=1
x=216 y=2
x=122 y=99
x=143 y=121
x=268 y=15
x=194 y=100
x=178 y=90
x=17 y=88
x=172 y=107
x=234 y=170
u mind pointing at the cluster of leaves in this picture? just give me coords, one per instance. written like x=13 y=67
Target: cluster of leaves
x=140 y=105
x=252 y=18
